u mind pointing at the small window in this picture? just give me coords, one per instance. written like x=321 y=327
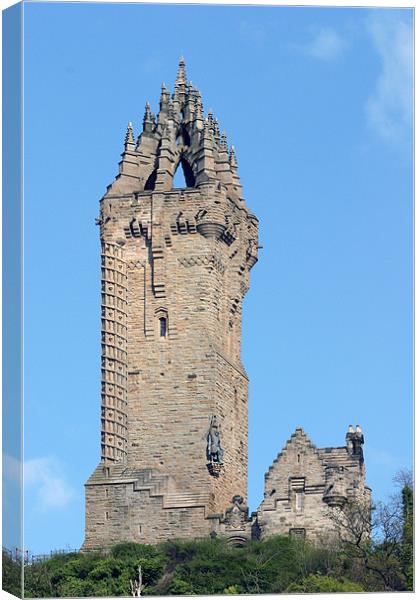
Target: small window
x=299 y=501
x=163 y=326
x=298 y=532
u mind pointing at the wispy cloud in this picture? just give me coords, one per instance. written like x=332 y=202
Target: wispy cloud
x=45 y=476
x=389 y=108
x=327 y=45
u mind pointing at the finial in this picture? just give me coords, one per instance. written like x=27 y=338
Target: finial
x=216 y=129
x=147 y=113
x=164 y=94
x=147 y=119
x=164 y=97
x=129 y=136
x=181 y=78
x=207 y=131
x=223 y=142
x=199 y=108
x=232 y=157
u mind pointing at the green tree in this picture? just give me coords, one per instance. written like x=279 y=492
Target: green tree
x=12 y=575
x=408 y=529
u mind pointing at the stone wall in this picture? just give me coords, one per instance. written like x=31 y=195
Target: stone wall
x=304 y=483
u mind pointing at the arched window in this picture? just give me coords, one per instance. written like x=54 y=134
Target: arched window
x=163 y=327
x=162 y=323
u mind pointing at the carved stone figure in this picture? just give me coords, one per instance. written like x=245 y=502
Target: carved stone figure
x=214 y=448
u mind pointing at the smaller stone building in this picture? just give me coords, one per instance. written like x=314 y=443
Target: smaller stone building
x=305 y=482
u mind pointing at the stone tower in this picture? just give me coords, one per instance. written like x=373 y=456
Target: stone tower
x=175 y=269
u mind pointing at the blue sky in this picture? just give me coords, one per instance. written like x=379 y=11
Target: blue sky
x=318 y=105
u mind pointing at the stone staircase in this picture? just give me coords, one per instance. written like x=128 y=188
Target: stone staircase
x=150 y=480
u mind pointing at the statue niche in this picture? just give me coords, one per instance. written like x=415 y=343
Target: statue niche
x=214 y=448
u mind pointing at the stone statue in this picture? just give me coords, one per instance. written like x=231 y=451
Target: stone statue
x=214 y=449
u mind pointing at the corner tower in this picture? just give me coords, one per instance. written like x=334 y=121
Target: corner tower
x=175 y=269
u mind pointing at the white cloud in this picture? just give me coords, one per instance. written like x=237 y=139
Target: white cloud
x=45 y=477
x=327 y=45
x=389 y=108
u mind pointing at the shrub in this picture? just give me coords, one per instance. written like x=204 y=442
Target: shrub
x=316 y=583
x=12 y=575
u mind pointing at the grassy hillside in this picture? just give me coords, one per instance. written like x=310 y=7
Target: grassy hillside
x=274 y=565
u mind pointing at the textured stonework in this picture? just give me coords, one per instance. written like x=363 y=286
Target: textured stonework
x=174 y=432
x=175 y=269
x=304 y=483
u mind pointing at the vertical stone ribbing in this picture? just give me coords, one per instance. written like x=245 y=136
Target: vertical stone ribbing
x=114 y=354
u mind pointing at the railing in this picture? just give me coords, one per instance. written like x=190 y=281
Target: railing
x=28 y=558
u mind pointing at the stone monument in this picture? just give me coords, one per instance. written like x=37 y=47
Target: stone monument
x=175 y=270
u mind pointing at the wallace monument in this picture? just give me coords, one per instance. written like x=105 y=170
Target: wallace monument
x=175 y=270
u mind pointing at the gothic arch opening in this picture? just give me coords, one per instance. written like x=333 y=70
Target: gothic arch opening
x=183 y=176
x=151 y=182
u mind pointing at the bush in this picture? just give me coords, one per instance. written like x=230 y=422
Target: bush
x=200 y=567
x=12 y=575
x=314 y=584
